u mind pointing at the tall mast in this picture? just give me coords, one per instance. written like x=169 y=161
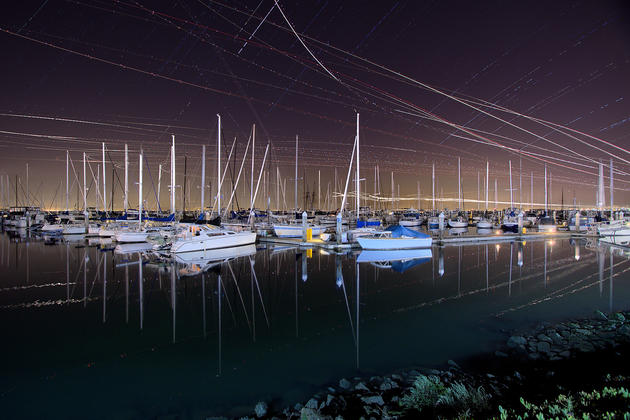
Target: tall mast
x=104 y=184
x=511 y=190
x=601 y=196
x=140 y=189
x=531 y=192
x=277 y=188
x=84 y=190
x=374 y=188
x=496 y=194
x=487 y=182
x=419 y=204
x=173 y=175
x=319 y=189
x=219 y=164
x=611 y=189
x=296 y=171
x=203 y=177
x=392 y=190
x=478 y=198
x=126 y=203
x=251 y=189
x=335 y=189
x=433 y=187
x=28 y=199
x=520 y=182
x=159 y=186
x=358 y=171
x=185 y=184
x=459 y=183
x=67 y=182
x=545 y=189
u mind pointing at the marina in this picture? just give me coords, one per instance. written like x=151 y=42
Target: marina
x=314 y=210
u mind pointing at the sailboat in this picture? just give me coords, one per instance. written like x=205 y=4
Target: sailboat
x=396 y=237
x=208 y=237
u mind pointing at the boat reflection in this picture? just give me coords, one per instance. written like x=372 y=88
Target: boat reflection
x=197 y=262
x=397 y=260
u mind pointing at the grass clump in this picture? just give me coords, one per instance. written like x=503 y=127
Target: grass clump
x=430 y=396
x=603 y=403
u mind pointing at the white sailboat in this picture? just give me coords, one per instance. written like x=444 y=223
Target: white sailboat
x=295 y=230
x=396 y=237
x=208 y=237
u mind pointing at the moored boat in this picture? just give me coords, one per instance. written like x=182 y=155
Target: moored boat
x=207 y=237
x=295 y=231
x=396 y=237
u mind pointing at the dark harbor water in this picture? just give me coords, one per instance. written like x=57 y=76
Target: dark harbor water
x=90 y=333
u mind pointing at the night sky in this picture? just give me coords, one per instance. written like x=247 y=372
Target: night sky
x=136 y=72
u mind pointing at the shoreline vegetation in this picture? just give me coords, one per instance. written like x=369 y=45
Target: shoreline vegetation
x=571 y=369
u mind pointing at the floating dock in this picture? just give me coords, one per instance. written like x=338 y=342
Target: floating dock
x=439 y=240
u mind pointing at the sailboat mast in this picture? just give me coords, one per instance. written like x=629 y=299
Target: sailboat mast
x=104 y=183
x=433 y=187
x=251 y=191
x=296 y=171
x=67 y=182
x=219 y=164
x=511 y=190
x=611 y=189
x=392 y=190
x=358 y=171
x=520 y=182
x=28 y=199
x=140 y=189
x=84 y=190
x=159 y=186
x=531 y=192
x=319 y=189
x=459 y=183
x=126 y=203
x=545 y=189
x=203 y=179
x=173 y=175
x=487 y=182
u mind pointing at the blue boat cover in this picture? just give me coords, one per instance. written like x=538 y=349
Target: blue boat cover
x=399 y=231
x=170 y=218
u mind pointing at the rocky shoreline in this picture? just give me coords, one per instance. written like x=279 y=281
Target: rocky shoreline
x=536 y=364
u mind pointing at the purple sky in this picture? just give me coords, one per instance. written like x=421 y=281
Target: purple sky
x=137 y=72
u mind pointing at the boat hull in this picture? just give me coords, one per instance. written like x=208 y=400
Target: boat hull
x=295 y=231
x=394 y=243
x=74 y=230
x=214 y=242
x=130 y=237
x=457 y=224
x=484 y=224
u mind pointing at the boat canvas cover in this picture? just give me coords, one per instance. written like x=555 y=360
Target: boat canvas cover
x=400 y=231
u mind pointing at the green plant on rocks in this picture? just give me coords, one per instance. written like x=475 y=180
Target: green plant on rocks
x=430 y=393
x=607 y=403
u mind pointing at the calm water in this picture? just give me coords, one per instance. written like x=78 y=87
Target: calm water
x=88 y=332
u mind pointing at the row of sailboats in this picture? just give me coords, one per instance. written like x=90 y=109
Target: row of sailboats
x=204 y=237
